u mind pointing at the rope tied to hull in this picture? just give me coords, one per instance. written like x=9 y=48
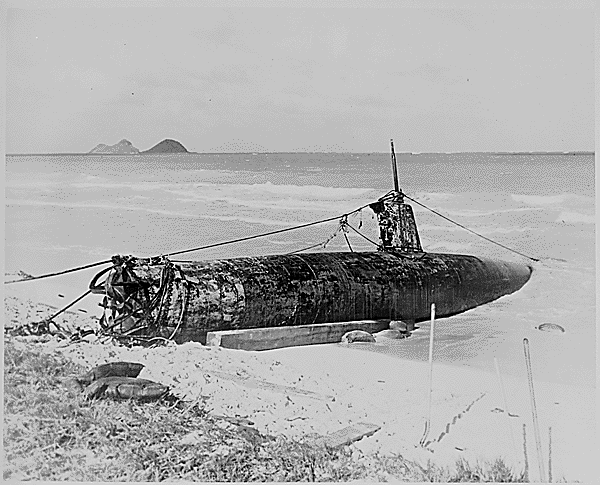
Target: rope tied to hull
x=49 y=275
x=43 y=326
x=378 y=246
x=471 y=230
x=376 y=206
x=344 y=227
x=132 y=297
x=320 y=244
x=142 y=306
x=158 y=259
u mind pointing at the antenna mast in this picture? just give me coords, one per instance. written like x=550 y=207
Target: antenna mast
x=394 y=167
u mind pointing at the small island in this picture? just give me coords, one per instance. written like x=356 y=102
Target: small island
x=167 y=146
x=124 y=147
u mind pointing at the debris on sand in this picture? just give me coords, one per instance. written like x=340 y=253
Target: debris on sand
x=357 y=336
x=551 y=327
x=119 y=380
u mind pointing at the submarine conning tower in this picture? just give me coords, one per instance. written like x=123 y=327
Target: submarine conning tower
x=397 y=226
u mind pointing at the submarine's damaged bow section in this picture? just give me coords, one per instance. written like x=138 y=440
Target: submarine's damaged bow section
x=156 y=298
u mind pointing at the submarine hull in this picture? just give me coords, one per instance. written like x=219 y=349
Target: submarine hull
x=185 y=300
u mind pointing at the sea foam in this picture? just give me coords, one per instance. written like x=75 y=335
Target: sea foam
x=575 y=217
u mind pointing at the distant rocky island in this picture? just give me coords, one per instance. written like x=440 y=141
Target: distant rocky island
x=167 y=146
x=125 y=147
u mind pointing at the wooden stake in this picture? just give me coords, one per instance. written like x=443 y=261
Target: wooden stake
x=536 y=427
x=550 y=454
x=512 y=438
x=428 y=422
x=526 y=472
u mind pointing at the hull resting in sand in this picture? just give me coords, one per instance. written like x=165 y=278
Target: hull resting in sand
x=185 y=300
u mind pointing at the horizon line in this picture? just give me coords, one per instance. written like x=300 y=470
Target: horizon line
x=519 y=152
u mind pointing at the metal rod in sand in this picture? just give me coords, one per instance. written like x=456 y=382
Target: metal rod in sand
x=512 y=437
x=536 y=427
x=427 y=423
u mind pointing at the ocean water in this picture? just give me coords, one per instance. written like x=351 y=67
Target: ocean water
x=65 y=211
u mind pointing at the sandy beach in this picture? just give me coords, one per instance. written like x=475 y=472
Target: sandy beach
x=319 y=389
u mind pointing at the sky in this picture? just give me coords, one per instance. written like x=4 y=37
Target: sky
x=300 y=79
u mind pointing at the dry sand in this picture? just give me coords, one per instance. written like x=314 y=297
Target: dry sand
x=351 y=384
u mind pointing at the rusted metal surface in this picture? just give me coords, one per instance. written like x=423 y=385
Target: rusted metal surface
x=397 y=226
x=184 y=301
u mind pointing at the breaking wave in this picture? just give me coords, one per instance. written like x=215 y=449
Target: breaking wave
x=308 y=192
x=575 y=217
x=545 y=200
x=169 y=213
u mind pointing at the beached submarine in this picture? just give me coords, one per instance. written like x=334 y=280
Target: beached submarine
x=150 y=298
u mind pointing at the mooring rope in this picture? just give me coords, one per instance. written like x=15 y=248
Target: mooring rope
x=362 y=235
x=79 y=268
x=471 y=230
x=271 y=233
x=322 y=244
x=390 y=194
x=44 y=324
x=222 y=243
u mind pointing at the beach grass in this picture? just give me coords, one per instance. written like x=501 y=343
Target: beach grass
x=52 y=433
